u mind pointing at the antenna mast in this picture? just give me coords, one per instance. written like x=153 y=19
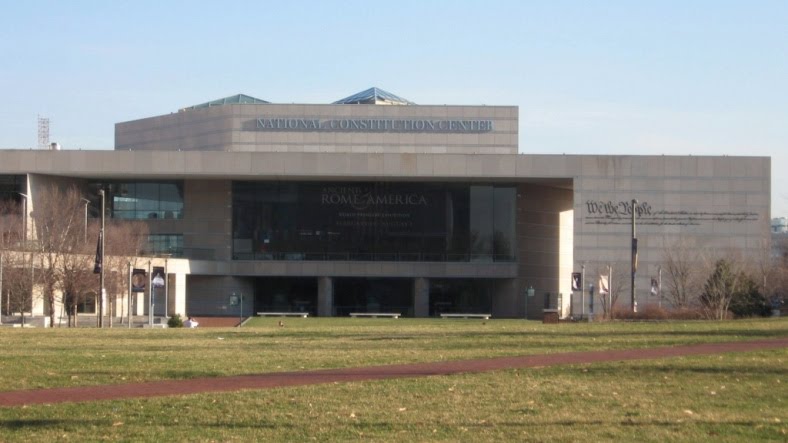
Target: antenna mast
x=43 y=132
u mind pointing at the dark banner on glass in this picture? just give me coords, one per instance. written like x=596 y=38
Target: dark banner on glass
x=138 y=280
x=390 y=208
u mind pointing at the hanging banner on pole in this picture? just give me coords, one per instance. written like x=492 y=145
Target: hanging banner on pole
x=138 y=280
x=577 y=281
x=99 y=263
x=158 y=277
x=654 y=286
x=603 y=285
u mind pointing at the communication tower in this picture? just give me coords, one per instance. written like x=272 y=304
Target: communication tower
x=43 y=132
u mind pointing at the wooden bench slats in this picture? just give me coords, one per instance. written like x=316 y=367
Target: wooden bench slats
x=482 y=316
x=283 y=314
x=376 y=314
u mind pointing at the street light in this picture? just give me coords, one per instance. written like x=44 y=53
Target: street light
x=87 y=202
x=101 y=271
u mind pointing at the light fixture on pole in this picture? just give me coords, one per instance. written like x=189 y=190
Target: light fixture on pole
x=101 y=274
x=87 y=202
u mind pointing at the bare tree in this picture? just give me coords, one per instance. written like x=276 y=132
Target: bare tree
x=125 y=241
x=16 y=284
x=59 y=236
x=618 y=284
x=720 y=288
x=683 y=281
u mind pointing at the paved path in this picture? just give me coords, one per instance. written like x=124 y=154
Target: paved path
x=280 y=379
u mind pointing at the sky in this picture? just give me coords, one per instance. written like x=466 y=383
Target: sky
x=609 y=77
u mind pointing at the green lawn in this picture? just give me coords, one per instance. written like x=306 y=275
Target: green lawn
x=730 y=397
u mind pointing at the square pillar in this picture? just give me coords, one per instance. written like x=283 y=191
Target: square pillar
x=421 y=297
x=325 y=297
x=176 y=294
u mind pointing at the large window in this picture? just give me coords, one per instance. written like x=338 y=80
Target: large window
x=143 y=199
x=11 y=186
x=387 y=221
x=161 y=244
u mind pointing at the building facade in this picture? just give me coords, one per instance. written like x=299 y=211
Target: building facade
x=375 y=204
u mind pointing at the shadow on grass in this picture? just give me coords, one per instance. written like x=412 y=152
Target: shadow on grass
x=388 y=426
x=38 y=423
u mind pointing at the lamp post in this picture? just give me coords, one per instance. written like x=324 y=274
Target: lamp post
x=1 y=288
x=87 y=202
x=101 y=273
x=634 y=302
x=529 y=293
x=24 y=243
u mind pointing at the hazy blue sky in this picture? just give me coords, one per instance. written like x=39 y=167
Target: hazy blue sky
x=606 y=77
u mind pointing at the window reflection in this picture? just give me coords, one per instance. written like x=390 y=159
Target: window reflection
x=143 y=200
x=385 y=221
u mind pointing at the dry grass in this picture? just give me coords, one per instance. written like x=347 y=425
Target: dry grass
x=68 y=357
x=731 y=397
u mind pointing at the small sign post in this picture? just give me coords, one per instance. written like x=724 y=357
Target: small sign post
x=238 y=300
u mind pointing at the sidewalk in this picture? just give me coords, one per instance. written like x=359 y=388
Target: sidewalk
x=281 y=379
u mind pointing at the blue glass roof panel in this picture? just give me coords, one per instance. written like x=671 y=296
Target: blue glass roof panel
x=374 y=96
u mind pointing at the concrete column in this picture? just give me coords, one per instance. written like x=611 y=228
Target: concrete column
x=140 y=303
x=325 y=297
x=421 y=297
x=177 y=295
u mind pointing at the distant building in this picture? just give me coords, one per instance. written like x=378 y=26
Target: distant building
x=376 y=204
x=780 y=225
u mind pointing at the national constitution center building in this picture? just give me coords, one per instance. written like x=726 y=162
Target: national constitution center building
x=376 y=204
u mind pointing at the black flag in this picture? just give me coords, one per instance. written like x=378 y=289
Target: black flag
x=99 y=262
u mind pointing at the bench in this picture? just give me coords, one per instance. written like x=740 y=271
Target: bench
x=375 y=314
x=482 y=316
x=283 y=314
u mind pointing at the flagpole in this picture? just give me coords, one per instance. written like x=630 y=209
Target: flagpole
x=101 y=270
x=582 y=291
x=128 y=312
x=633 y=302
x=150 y=294
x=1 y=288
x=610 y=292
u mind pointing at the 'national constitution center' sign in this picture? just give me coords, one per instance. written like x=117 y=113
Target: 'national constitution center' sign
x=373 y=125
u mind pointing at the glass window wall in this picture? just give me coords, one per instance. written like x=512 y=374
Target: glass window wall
x=142 y=200
x=386 y=221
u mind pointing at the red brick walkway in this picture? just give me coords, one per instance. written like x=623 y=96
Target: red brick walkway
x=280 y=379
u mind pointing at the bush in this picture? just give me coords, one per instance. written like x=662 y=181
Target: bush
x=175 y=321
x=654 y=312
x=749 y=302
x=648 y=312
